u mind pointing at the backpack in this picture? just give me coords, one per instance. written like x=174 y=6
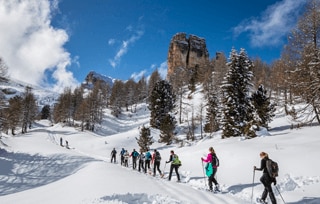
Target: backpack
x=215 y=161
x=135 y=154
x=148 y=156
x=273 y=168
x=157 y=156
x=175 y=160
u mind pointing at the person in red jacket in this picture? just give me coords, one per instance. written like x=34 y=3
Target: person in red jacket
x=156 y=159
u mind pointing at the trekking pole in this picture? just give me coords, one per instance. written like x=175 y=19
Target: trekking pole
x=252 y=184
x=164 y=168
x=204 y=175
x=280 y=195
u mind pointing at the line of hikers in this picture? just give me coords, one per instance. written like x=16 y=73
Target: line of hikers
x=211 y=168
x=146 y=159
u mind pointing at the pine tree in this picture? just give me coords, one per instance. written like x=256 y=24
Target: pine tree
x=263 y=107
x=167 y=127
x=162 y=101
x=154 y=78
x=45 y=112
x=212 y=123
x=117 y=97
x=237 y=110
x=145 y=139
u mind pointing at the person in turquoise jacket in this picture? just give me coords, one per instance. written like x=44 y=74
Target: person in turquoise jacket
x=211 y=168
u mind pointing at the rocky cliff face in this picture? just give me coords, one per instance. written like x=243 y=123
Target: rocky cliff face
x=94 y=77
x=186 y=52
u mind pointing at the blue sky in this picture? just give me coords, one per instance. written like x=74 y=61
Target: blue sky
x=59 y=42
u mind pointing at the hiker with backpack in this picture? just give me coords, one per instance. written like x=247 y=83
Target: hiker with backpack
x=211 y=169
x=175 y=164
x=148 y=159
x=134 y=155
x=141 y=161
x=266 y=179
x=126 y=156
x=113 y=155
x=122 y=155
x=156 y=159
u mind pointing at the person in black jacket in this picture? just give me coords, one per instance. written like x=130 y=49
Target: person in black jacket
x=266 y=179
x=113 y=155
x=175 y=164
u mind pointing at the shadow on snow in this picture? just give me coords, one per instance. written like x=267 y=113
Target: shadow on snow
x=307 y=200
x=20 y=171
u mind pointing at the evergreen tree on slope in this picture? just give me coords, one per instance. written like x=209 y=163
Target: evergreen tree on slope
x=264 y=108
x=162 y=102
x=237 y=110
x=145 y=139
x=212 y=123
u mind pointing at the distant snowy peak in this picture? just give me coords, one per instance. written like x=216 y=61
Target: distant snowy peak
x=12 y=87
x=93 y=77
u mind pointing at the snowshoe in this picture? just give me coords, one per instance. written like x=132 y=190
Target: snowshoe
x=216 y=190
x=260 y=201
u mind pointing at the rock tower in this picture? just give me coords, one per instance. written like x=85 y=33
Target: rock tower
x=186 y=52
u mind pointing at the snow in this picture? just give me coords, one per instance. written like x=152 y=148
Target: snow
x=34 y=168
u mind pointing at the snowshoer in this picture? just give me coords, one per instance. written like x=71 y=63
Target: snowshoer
x=126 y=156
x=141 y=161
x=211 y=169
x=61 y=142
x=113 y=155
x=148 y=158
x=134 y=155
x=122 y=155
x=266 y=180
x=175 y=164
x=156 y=159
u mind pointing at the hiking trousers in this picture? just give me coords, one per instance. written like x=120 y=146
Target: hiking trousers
x=175 y=167
x=156 y=167
x=212 y=179
x=147 y=165
x=267 y=181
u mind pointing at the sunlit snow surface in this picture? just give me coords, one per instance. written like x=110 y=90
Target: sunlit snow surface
x=34 y=168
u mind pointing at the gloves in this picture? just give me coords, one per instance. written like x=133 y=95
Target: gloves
x=274 y=182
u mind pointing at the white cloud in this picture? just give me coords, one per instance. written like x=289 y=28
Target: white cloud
x=272 y=25
x=30 y=45
x=111 y=41
x=124 y=47
x=137 y=76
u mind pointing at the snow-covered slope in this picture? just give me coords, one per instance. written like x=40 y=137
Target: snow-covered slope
x=34 y=168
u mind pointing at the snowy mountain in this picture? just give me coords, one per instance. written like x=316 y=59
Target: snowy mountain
x=10 y=88
x=92 y=77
